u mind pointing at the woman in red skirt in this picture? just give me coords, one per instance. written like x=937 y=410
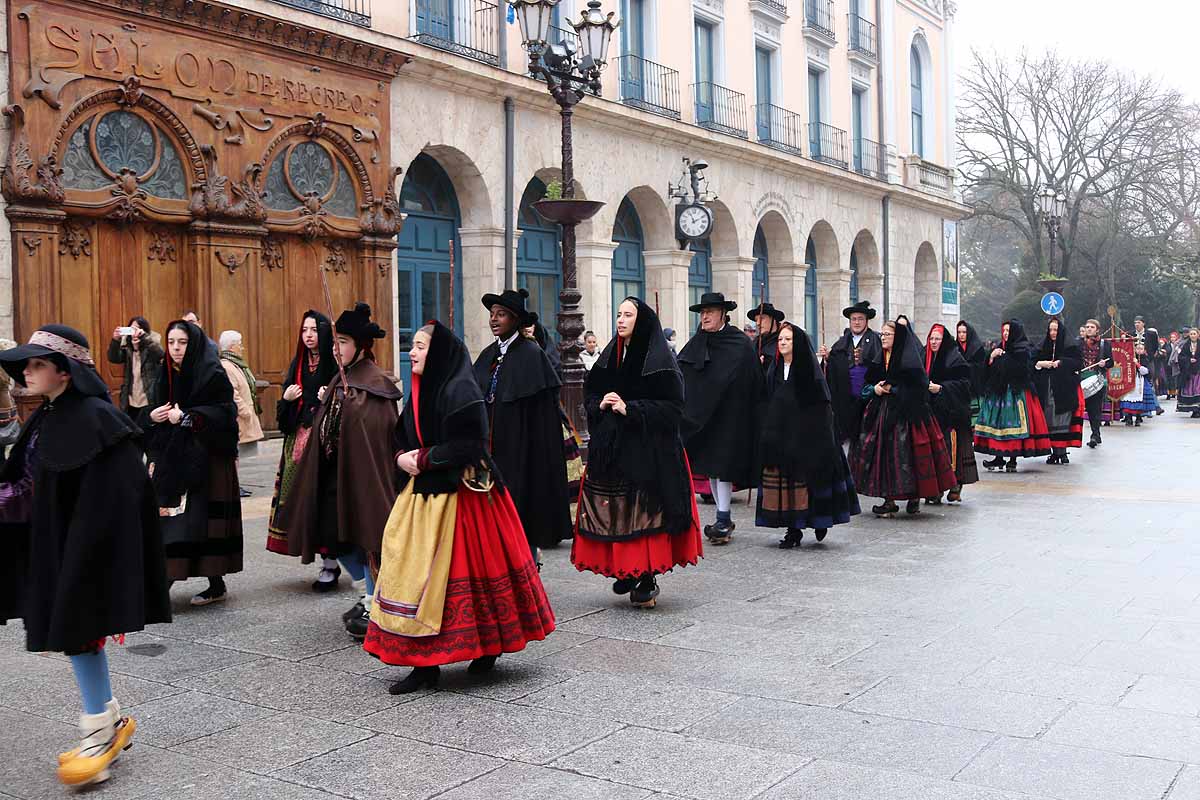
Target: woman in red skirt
x=1011 y=422
x=637 y=513
x=900 y=453
x=1056 y=378
x=456 y=579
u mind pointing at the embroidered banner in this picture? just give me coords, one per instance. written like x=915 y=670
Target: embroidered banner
x=1122 y=375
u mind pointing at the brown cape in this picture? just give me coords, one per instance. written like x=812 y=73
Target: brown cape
x=366 y=468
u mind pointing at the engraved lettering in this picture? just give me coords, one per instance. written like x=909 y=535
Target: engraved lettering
x=140 y=69
x=330 y=99
x=289 y=90
x=356 y=103
x=108 y=57
x=67 y=40
x=268 y=86
x=223 y=76
x=253 y=82
x=187 y=69
x=343 y=102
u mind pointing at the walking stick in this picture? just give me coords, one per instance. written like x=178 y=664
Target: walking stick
x=451 y=284
x=656 y=313
x=337 y=356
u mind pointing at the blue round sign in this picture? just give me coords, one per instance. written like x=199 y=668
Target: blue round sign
x=1053 y=303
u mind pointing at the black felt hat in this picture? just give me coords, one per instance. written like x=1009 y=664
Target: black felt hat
x=63 y=345
x=861 y=307
x=713 y=300
x=768 y=309
x=357 y=324
x=514 y=301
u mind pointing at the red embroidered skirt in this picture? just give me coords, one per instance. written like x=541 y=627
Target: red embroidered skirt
x=1013 y=426
x=908 y=462
x=495 y=602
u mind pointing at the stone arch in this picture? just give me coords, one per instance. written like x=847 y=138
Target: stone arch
x=780 y=246
x=867 y=254
x=825 y=244
x=658 y=224
x=866 y=270
x=927 y=287
x=474 y=198
x=725 y=241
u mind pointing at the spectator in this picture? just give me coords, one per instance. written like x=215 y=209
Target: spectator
x=245 y=396
x=194 y=318
x=141 y=354
x=669 y=333
x=590 y=352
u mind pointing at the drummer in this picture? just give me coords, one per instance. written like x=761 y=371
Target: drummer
x=1097 y=358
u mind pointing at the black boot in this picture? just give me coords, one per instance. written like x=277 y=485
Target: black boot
x=1053 y=459
x=1064 y=459
x=994 y=463
x=719 y=532
x=933 y=501
x=482 y=665
x=1196 y=414
x=791 y=539
x=912 y=507
x=887 y=508
x=645 y=593
x=820 y=533
x=1137 y=422
x=419 y=678
x=1011 y=466
x=624 y=585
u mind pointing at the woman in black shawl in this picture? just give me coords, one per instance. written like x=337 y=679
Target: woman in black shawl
x=192 y=444
x=1189 y=375
x=950 y=397
x=973 y=351
x=312 y=367
x=805 y=478
x=1011 y=422
x=1056 y=377
x=900 y=453
x=456 y=579
x=637 y=513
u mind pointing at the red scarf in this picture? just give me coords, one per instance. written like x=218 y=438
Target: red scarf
x=415 y=399
x=928 y=352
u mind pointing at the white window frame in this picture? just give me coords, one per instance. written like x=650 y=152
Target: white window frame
x=717 y=22
x=928 y=128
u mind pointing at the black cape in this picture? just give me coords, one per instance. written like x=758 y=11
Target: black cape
x=948 y=369
x=642 y=448
x=798 y=435
x=294 y=414
x=526 y=439
x=723 y=384
x=766 y=348
x=975 y=354
x=905 y=372
x=1186 y=368
x=1010 y=370
x=1063 y=381
x=848 y=406
x=90 y=562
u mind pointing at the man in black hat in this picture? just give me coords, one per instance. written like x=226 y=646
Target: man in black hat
x=722 y=385
x=846 y=368
x=520 y=389
x=768 y=318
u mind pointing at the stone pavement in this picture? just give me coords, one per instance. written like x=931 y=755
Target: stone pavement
x=1040 y=641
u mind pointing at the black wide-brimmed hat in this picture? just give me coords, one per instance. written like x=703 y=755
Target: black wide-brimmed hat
x=713 y=300
x=861 y=307
x=768 y=309
x=64 y=345
x=357 y=324
x=514 y=301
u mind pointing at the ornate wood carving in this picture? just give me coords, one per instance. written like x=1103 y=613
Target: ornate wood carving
x=335 y=258
x=314 y=129
x=75 y=240
x=161 y=247
x=384 y=217
x=219 y=197
x=32 y=243
x=272 y=254
x=232 y=261
x=21 y=181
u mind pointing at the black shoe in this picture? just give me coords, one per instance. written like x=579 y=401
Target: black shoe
x=994 y=463
x=1196 y=415
x=1137 y=423
x=885 y=509
x=719 y=532
x=933 y=501
x=1053 y=459
x=791 y=539
x=355 y=610
x=1094 y=442
x=242 y=492
x=419 y=678
x=210 y=595
x=1011 y=466
x=357 y=626
x=327 y=586
x=482 y=665
x=624 y=585
x=645 y=593
x=1158 y=412
x=820 y=533
x=1064 y=459
x=912 y=507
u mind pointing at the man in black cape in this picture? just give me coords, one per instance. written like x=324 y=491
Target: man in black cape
x=520 y=389
x=768 y=319
x=723 y=385
x=846 y=368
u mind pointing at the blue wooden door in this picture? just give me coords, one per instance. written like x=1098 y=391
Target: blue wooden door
x=628 y=261
x=539 y=258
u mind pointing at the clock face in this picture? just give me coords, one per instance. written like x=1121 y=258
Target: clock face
x=694 y=222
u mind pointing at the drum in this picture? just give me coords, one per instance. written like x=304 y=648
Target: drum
x=1092 y=382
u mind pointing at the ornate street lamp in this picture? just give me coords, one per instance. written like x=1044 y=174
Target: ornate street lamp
x=569 y=75
x=1051 y=207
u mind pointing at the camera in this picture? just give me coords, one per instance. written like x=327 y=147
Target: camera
x=125 y=330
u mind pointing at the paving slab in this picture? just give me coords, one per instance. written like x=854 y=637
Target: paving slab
x=540 y=783
x=1129 y=731
x=830 y=780
x=264 y=745
x=977 y=709
x=628 y=699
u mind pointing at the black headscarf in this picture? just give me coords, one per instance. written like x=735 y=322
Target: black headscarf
x=904 y=371
x=445 y=413
x=1064 y=380
x=623 y=368
x=975 y=354
x=292 y=415
x=798 y=433
x=199 y=386
x=542 y=336
x=1011 y=370
x=950 y=370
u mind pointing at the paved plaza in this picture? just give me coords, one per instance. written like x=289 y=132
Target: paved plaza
x=1040 y=641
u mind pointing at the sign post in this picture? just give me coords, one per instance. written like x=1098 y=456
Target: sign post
x=1053 y=304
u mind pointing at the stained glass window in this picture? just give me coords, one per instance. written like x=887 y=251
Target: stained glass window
x=80 y=170
x=124 y=141
x=310 y=170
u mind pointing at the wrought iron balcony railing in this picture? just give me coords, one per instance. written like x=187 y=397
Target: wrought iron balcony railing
x=863 y=38
x=827 y=144
x=467 y=27
x=559 y=35
x=818 y=16
x=648 y=86
x=779 y=128
x=778 y=6
x=720 y=109
x=868 y=159
x=357 y=12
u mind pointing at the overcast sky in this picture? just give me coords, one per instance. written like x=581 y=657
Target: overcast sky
x=1147 y=36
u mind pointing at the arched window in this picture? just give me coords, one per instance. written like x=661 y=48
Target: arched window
x=810 y=288
x=112 y=142
x=628 y=261
x=761 y=290
x=306 y=167
x=539 y=257
x=918 y=103
x=699 y=275
x=853 y=275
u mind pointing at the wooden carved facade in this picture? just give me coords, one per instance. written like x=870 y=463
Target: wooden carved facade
x=169 y=155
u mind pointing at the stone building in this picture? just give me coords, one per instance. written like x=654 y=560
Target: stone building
x=827 y=126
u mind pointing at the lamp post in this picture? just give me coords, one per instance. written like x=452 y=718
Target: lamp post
x=1051 y=207
x=569 y=75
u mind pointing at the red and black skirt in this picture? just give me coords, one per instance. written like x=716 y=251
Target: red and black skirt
x=908 y=462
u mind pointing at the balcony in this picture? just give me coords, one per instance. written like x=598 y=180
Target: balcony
x=356 y=12
x=864 y=41
x=827 y=144
x=869 y=159
x=648 y=86
x=779 y=128
x=772 y=12
x=818 y=21
x=465 y=27
x=928 y=177
x=720 y=109
x=559 y=35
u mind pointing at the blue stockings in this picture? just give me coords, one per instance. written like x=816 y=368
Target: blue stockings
x=91 y=673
